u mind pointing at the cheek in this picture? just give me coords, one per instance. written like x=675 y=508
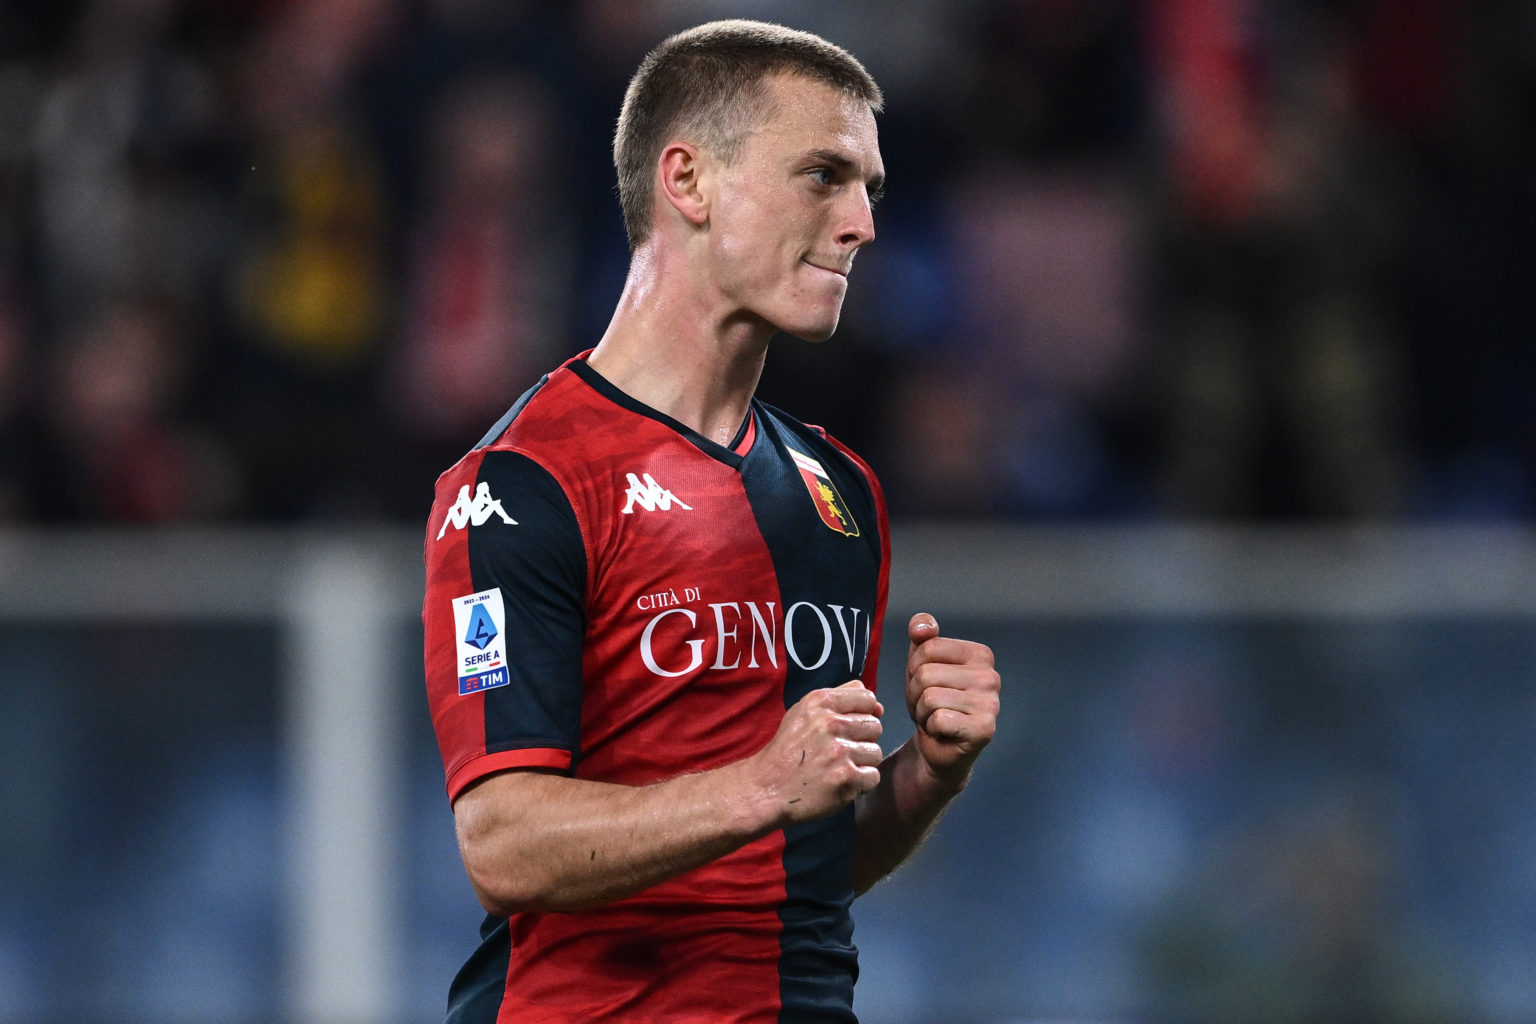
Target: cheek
x=741 y=251
x=756 y=256
x=740 y=235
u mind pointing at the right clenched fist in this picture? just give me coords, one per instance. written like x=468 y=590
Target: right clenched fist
x=825 y=753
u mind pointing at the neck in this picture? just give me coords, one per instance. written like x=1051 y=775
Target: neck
x=699 y=365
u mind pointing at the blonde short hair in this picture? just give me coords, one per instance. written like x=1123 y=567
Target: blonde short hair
x=706 y=85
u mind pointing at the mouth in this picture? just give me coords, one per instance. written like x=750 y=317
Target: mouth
x=840 y=271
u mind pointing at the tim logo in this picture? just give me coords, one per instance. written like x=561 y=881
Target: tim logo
x=484 y=681
x=467 y=511
x=650 y=495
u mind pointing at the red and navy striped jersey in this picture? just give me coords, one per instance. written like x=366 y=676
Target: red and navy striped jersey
x=613 y=595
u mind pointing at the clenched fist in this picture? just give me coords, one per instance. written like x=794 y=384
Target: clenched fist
x=953 y=694
x=825 y=753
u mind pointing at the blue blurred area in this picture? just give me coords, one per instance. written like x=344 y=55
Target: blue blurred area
x=1279 y=820
x=1284 y=820
x=138 y=865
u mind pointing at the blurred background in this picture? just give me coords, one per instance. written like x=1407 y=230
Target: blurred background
x=1195 y=354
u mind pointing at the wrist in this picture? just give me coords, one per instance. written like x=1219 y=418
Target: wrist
x=942 y=782
x=753 y=807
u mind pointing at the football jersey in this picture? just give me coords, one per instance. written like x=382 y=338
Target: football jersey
x=615 y=596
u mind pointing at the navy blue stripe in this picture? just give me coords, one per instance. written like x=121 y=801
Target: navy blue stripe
x=477 y=990
x=824 y=567
x=540 y=566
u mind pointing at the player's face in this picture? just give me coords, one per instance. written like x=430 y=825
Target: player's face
x=796 y=206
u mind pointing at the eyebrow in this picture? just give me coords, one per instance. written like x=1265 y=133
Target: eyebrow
x=876 y=185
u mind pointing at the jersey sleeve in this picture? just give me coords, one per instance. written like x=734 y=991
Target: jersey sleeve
x=503 y=618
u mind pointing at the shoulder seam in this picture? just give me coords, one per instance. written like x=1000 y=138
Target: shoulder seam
x=504 y=424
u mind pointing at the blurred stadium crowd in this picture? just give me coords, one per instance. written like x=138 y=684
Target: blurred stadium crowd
x=278 y=261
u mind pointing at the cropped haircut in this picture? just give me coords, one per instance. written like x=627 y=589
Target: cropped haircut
x=707 y=85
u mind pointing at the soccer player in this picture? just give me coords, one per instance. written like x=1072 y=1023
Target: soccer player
x=654 y=604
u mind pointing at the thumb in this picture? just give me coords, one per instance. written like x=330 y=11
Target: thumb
x=923 y=626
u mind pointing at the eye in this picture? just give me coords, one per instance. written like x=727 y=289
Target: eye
x=821 y=175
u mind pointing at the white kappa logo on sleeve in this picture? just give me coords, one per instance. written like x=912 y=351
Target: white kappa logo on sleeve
x=467 y=511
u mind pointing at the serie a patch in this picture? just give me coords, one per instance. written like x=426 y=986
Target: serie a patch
x=480 y=625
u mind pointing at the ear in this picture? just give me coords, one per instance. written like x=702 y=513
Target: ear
x=682 y=176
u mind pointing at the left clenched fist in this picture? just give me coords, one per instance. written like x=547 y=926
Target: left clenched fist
x=953 y=695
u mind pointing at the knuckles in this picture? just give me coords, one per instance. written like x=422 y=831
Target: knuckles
x=969 y=677
x=948 y=650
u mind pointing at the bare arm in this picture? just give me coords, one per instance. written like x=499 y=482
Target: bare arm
x=953 y=694
x=535 y=841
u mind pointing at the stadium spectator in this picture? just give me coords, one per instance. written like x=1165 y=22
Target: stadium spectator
x=265 y=169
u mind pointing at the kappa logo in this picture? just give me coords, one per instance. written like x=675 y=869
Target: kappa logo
x=467 y=511
x=649 y=495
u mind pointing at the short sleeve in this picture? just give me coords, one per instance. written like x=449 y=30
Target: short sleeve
x=504 y=618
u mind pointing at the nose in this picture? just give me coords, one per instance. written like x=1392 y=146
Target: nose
x=856 y=226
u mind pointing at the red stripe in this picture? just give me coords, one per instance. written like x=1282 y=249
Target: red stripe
x=872 y=657
x=701 y=948
x=528 y=757
x=750 y=435
x=459 y=723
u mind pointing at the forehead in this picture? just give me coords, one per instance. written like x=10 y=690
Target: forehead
x=805 y=115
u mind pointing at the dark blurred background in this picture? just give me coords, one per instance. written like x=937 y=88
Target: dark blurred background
x=285 y=261
x=1198 y=327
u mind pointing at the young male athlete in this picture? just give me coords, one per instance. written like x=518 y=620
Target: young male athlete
x=654 y=604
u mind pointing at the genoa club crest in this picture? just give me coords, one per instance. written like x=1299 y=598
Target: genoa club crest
x=824 y=494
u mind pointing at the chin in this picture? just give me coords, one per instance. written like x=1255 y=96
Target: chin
x=814 y=329
x=815 y=334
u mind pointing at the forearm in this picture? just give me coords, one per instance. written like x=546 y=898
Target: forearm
x=894 y=818
x=537 y=842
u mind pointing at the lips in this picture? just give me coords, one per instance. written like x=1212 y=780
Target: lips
x=838 y=270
